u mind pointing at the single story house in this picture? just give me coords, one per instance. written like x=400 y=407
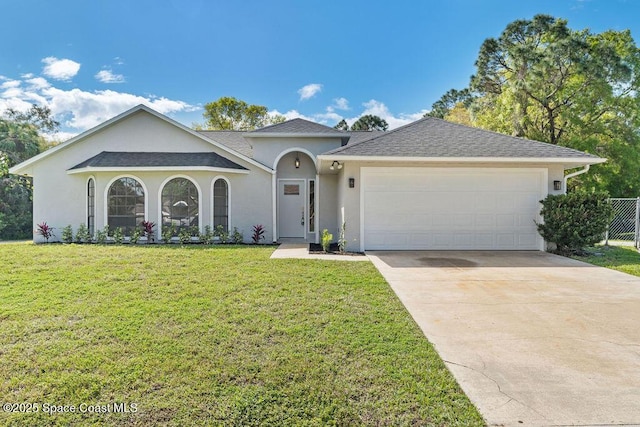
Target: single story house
x=430 y=184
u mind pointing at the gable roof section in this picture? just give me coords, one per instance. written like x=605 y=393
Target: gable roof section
x=156 y=160
x=431 y=138
x=113 y=121
x=231 y=138
x=298 y=127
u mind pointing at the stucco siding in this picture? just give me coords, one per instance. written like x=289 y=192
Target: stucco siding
x=61 y=198
x=267 y=150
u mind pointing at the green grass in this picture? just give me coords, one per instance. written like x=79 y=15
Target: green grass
x=213 y=336
x=621 y=258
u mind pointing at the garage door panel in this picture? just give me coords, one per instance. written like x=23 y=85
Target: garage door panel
x=471 y=208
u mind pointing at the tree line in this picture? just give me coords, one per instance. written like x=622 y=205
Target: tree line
x=544 y=81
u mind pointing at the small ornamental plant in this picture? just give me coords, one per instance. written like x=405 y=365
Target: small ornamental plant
x=258 y=234
x=206 y=236
x=44 y=230
x=147 y=230
x=221 y=233
x=327 y=238
x=342 y=241
x=118 y=235
x=236 y=237
x=67 y=234
x=83 y=235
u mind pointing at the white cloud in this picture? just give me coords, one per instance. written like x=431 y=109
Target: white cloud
x=379 y=109
x=107 y=76
x=341 y=104
x=291 y=114
x=309 y=91
x=60 y=69
x=78 y=110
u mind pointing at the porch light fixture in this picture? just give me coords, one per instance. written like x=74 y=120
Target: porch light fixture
x=335 y=165
x=297 y=162
x=557 y=185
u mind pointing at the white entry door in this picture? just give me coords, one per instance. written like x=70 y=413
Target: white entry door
x=291 y=202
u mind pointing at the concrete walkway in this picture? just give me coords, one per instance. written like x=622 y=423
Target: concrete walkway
x=301 y=251
x=532 y=338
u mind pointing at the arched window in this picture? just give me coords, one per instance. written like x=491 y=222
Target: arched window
x=180 y=204
x=91 y=206
x=125 y=205
x=221 y=204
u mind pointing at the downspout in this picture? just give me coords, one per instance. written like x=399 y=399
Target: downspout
x=574 y=174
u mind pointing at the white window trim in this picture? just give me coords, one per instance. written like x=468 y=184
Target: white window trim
x=95 y=205
x=213 y=183
x=159 y=223
x=106 y=197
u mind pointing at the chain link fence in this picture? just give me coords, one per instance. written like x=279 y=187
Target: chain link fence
x=624 y=229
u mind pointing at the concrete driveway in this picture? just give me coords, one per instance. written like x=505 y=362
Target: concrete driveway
x=532 y=338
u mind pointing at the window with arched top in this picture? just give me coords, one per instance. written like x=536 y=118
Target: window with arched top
x=91 y=206
x=125 y=205
x=221 y=204
x=180 y=204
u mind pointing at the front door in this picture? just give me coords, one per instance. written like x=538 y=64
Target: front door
x=291 y=213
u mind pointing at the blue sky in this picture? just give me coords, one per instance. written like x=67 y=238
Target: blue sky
x=320 y=60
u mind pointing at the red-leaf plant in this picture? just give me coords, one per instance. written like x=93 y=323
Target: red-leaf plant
x=45 y=231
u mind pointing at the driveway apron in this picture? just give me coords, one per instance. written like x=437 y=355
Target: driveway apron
x=532 y=338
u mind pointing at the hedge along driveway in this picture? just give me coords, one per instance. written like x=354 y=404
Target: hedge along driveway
x=219 y=335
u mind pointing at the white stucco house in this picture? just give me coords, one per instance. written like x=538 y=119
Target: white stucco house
x=428 y=185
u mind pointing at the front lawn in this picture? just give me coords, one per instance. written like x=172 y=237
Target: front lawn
x=621 y=258
x=211 y=336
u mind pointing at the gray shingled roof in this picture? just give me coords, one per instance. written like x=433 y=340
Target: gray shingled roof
x=230 y=138
x=431 y=137
x=363 y=135
x=156 y=159
x=299 y=126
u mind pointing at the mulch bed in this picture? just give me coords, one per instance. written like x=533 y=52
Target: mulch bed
x=316 y=249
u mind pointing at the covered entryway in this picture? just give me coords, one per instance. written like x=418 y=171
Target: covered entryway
x=295 y=195
x=291 y=208
x=452 y=208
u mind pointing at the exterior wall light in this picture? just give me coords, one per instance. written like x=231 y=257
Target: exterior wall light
x=557 y=185
x=335 y=165
x=297 y=162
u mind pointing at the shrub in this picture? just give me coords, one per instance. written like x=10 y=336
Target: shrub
x=168 y=232
x=44 y=230
x=67 y=234
x=206 y=236
x=327 y=238
x=342 y=241
x=575 y=220
x=82 y=235
x=258 y=233
x=184 y=236
x=101 y=235
x=118 y=235
x=236 y=237
x=135 y=236
x=221 y=233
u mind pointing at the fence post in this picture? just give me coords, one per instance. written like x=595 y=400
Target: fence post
x=637 y=234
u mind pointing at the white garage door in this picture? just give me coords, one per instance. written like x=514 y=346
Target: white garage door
x=452 y=208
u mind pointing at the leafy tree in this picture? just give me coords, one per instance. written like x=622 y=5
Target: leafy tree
x=544 y=81
x=442 y=107
x=20 y=139
x=342 y=125
x=370 y=122
x=229 y=113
